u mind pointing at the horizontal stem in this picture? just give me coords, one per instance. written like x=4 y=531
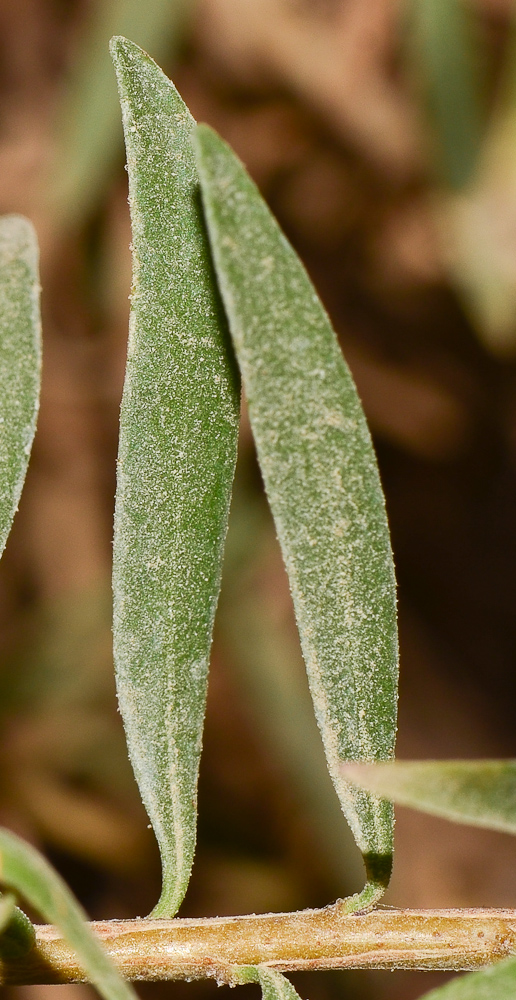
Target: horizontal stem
x=306 y=940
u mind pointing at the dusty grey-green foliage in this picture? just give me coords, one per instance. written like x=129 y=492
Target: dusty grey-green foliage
x=322 y=481
x=20 y=360
x=477 y=792
x=178 y=433
x=25 y=870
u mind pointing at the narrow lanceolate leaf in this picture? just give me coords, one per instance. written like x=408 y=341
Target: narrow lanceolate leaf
x=274 y=985
x=497 y=982
x=178 y=430
x=322 y=481
x=477 y=792
x=25 y=870
x=20 y=360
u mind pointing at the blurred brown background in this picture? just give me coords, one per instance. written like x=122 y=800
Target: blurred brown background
x=383 y=134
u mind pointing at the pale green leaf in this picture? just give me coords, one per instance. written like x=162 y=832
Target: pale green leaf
x=20 y=360
x=275 y=986
x=448 y=65
x=497 y=982
x=322 y=481
x=25 y=870
x=477 y=792
x=178 y=432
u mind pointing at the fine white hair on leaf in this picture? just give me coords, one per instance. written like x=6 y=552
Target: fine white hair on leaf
x=177 y=453
x=322 y=481
x=20 y=360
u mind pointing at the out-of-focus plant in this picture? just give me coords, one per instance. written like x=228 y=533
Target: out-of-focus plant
x=218 y=295
x=88 y=133
x=473 y=144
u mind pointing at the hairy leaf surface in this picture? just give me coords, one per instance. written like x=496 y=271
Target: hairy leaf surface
x=497 y=982
x=20 y=360
x=25 y=870
x=178 y=431
x=322 y=481
x=477 y=792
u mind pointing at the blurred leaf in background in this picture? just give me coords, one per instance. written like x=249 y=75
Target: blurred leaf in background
x=67 y=779
x=88 y=127
x=474 y=135
x=257 y=626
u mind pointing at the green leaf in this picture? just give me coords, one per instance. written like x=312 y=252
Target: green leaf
x=322 y=481
x=7 y=910
x=265 y=658
x=24 y=869
x=17 y=935
x=20 y=360
x=447 y=61
x=88 y=132
x=477 y=792
x=275 y=986
x=178 y=434
x=497 y=982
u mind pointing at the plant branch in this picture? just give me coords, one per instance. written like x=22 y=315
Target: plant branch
x=307 y=940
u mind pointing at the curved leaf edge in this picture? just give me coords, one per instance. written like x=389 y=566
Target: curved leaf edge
x=275 y=986
x=19 y=244
x=371 y=820
x=478 y=793
x=25 y=870
x=167 y=568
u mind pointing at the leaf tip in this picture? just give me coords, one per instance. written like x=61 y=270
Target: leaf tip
x=18 y=936
x=116 y=44
x=125 y=53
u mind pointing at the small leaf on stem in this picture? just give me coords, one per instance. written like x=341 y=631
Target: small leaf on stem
x=275 y=986
x=177 y=453
x=17 y=935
